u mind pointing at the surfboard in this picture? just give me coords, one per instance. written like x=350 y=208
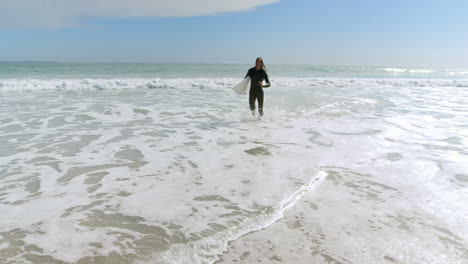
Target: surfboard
x=243 y=87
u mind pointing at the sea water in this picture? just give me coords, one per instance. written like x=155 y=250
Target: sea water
x=164 y=163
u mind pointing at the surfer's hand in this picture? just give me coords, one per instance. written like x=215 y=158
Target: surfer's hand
x=260 y=83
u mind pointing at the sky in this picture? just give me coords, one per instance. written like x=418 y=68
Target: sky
x=406 y=33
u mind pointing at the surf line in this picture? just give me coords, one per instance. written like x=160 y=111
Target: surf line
x=290 y=201
x=284 y=205
x=287 y=203
x=209 y=250
x=268 y=218
x=321 y=175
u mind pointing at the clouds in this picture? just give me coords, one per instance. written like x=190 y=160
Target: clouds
x=57 y=14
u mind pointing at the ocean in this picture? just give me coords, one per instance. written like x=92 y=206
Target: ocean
x=164 y=163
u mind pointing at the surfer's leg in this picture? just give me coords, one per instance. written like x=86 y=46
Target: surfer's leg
x=252 y=98
x=260 y=102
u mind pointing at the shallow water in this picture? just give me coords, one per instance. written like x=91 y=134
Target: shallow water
x=172 y=170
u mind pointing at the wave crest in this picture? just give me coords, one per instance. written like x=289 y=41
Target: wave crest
x=10 y=85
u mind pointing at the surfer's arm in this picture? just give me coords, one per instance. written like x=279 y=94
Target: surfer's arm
x=267 y=81
x=248 y=73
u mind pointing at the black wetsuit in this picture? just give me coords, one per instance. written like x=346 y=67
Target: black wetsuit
x=256 y=91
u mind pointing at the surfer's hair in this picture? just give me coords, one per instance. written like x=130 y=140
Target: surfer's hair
x=263 y=65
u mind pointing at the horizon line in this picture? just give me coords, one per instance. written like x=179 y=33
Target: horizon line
x=227 y=63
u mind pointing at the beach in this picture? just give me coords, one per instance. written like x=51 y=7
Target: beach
x=164 y=163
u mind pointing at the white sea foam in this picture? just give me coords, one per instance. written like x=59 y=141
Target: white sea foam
x=93 y=165
x=10 y=85
x=393 y=70
x=172 y=170
x=402 y=70
x=208 y=249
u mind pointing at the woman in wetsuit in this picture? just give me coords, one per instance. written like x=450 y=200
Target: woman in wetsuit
x=257 y=75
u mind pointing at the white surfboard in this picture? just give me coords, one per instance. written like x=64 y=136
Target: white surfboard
x=243 y=87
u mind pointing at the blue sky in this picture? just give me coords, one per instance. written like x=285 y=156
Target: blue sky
x=431 y=33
